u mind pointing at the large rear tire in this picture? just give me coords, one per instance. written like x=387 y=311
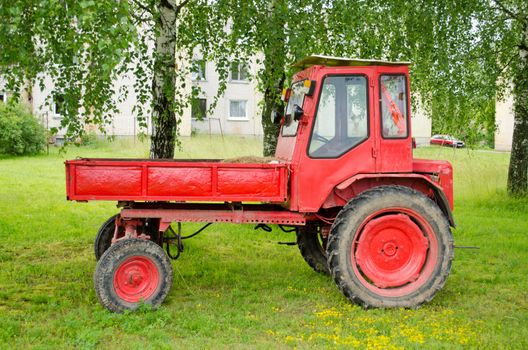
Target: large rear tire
x=132 y=271
x=390 y=247
x=313 y=248
x=103 y=240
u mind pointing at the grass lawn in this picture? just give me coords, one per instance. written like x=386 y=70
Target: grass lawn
x=235 y=287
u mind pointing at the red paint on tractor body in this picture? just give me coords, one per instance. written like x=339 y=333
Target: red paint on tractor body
x=218 y=213
x=347 y=131
x=153 y=180
x=391 y=250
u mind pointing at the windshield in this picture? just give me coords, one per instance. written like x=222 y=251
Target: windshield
x=342 y=116
x=296 y=98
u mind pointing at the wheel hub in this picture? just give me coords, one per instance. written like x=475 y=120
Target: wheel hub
x=391 y=250
x=133 y=278
x=136 y=279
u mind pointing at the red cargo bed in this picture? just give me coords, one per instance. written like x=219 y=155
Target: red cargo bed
x=175 y=180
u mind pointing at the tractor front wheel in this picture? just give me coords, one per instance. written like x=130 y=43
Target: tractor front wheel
x=130 y=272
x=390 y=247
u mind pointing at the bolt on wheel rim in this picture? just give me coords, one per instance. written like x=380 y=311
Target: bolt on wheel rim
x=136 y=279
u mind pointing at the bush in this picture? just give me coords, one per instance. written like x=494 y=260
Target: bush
x=20 y=132
x=87 y=139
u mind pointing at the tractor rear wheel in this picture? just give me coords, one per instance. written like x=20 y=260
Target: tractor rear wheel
x=312 y=246
x=103 y=241
x=390 y=247
x=132 y=271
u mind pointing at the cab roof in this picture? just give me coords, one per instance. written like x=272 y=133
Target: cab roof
x=331 y=61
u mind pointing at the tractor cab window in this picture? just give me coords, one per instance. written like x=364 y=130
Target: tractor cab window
x=393 y=99
x=296 y=98
x=341 y=122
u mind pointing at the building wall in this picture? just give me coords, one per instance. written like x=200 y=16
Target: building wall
x=420 y=126
x=124 y=123
x=220 y=120
x=43 y=110
x=504 y=120
x=4 y=94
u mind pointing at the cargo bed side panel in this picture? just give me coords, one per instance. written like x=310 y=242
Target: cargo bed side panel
x=137 y=180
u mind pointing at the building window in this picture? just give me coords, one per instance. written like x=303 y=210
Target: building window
x=58 y=105
x=239 y=72
x=238 y=110
x=199 y=108
x=198 y=70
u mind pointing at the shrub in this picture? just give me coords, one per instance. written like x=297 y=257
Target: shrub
x=20 y=132
x=88 y=139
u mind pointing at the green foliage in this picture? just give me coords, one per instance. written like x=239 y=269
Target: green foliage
x=81 y=46
x=464 y=53
x=458 y=49
x=20 y=132
x=85 y=46
x=449 y=78
x=89 y=139
x=235 y=287
x=277 y=33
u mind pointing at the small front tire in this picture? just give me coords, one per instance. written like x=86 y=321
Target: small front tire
x=131 y=272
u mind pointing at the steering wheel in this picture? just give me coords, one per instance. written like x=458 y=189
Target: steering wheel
x=320 y=138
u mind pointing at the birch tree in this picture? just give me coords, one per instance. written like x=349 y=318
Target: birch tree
x=280 y=32
x=86 y=46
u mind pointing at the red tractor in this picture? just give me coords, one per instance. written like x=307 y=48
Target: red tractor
x=344 y=177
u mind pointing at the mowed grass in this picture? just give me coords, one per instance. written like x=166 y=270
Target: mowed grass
x=235 y=287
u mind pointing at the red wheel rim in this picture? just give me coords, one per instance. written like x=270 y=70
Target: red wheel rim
x=136 y=279
x=394 y=252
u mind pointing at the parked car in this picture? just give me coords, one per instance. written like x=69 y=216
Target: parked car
x=447 y=140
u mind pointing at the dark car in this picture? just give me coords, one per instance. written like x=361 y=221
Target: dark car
x=446 y=140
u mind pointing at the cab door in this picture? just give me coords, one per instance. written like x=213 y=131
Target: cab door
x=394 y=145
x=340 y=138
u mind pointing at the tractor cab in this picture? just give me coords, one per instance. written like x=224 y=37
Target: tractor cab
x=344 y=117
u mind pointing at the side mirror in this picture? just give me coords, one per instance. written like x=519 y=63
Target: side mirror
x=286 y=95
x=297 y=112
x=276 y=116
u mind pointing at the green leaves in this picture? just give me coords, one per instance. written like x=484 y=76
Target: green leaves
x=458 y=49
x=20 y=132
x=81 y=46
x=86 y=4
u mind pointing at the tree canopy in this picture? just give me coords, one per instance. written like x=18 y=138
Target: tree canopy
x=84 y=47
x=464 y=54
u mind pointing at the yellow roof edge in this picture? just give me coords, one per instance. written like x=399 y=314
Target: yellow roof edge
x=332 y=61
